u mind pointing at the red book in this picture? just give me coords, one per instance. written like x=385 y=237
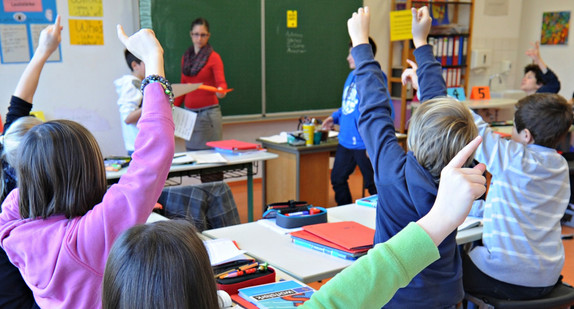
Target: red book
x=347 y=234
x=232 y=144
x=318 y=240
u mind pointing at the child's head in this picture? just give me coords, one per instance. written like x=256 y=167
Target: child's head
x=159 y=265
x=60 y=171
x=546 y=117
x=350 y=57
x=14 y=135
x=438 y=130
x=135 y=64
x=532 y=79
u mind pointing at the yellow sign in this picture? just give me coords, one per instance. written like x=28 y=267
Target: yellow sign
x=39 y=115
x=401 y=25
x=85 y=8
x=86 y=32
x=291 y=19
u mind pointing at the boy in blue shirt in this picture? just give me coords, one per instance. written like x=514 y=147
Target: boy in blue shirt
x=407 y=183
x=351 y=149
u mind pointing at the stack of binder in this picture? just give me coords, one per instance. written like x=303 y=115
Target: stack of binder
x=347 y=239
x=233 y=146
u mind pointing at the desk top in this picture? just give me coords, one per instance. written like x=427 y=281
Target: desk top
x=492 y=103
x=304 y=264
x=231 y=160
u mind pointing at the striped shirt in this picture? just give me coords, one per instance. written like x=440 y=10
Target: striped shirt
x=528 y=195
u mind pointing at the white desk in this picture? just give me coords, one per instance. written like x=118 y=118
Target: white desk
x=232 y=168
x=304 y=264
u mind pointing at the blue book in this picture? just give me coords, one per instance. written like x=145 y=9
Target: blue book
x=325 y=249
x=281 y=294
x=369 y=201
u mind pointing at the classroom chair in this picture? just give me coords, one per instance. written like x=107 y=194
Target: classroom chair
x=208 y=205
x=562 y=296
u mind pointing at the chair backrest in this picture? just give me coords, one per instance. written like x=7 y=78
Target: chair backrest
x=562 y=296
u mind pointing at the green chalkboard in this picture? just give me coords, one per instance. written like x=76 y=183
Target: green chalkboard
x=305 y=66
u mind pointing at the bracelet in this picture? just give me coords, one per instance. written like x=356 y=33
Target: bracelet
x=163 y=82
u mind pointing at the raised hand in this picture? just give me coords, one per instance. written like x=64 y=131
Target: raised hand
x=421 y=25
x=144 y=45
x=458 y=188
x=534 y=54
x=410 y=74
x=50 y=38
x=358 y=26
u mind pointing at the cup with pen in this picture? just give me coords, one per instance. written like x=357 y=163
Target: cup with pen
x=242 y=273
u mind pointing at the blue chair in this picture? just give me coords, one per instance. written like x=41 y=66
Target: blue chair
x=562 y=296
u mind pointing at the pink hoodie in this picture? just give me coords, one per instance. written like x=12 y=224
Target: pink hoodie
x=63 y=260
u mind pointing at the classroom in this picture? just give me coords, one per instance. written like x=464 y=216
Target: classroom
x=80 y=87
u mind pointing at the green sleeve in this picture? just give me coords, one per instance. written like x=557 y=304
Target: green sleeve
x=373 y=279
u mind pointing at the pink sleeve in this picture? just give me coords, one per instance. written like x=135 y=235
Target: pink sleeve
x=131 y=200
x=10 y=213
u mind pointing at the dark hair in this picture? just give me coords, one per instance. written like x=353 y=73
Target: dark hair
x=60 y=171
x=131 y=58
x=199 y=21
x=159 y=265
x=546 y=115
x=534 y=68
x=371 y=42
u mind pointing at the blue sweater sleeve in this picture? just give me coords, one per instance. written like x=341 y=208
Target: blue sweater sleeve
x=551 y=83
x=375 y=123
x=431 y=82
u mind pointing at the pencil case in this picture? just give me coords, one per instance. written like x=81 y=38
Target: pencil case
x=231 y=285
x=288 y=221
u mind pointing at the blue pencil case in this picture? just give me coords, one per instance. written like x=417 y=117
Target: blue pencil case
x=289 y=220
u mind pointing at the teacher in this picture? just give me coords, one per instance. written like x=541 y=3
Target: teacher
x=201 y=64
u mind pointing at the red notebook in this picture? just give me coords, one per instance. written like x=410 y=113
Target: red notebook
x=318 y=240
x=232 y=144
x=347 y=234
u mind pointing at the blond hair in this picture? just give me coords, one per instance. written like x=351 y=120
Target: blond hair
x=439 y=129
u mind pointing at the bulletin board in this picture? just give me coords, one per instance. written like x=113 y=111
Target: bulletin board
x=21 y=22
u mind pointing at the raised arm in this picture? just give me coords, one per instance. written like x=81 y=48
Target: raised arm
x=48 y=42
x=551 y=81
x=429 y=71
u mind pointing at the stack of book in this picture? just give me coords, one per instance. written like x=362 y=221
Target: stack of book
x=281 y=294
x=347 y=239
x=233 y=146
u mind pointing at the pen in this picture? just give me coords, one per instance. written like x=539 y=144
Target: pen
x=244 y=267
x=179 y=156
x=567 y=236
x=262 y=267
x=297 y=214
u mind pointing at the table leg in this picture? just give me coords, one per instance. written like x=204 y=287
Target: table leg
x=250 y=192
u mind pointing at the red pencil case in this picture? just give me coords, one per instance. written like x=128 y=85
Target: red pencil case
x=231 y=285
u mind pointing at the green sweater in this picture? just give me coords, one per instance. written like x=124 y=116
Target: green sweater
x=373 y=279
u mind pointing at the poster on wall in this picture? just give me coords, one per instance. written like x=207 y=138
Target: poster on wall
x=555 y=26
x=21 y=22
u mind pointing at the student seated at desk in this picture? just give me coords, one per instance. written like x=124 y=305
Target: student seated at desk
x=407 y=182
x=522 y=253
x=165 y=265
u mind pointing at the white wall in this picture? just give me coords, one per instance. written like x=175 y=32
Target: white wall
x=558 y=57
x=81 y=86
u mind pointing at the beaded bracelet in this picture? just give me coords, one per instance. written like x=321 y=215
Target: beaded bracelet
x=163 y=82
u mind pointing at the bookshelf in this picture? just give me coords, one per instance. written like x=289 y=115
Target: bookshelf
x=451 y=37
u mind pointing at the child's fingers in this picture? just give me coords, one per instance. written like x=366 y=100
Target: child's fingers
x=481 y=167
x=463 y=155
x=121 y=34
x=57 y=23
x=412 y=64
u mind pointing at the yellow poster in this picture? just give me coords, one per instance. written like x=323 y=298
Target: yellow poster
x=86 y=8
x=86 y=32
x=401 y=25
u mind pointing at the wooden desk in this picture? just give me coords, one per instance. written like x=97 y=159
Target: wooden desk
x=300 y=173
x=303 y=264
x=236 y=166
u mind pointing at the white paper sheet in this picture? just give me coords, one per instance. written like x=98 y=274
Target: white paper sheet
x=222 y=251
x=184 y=121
